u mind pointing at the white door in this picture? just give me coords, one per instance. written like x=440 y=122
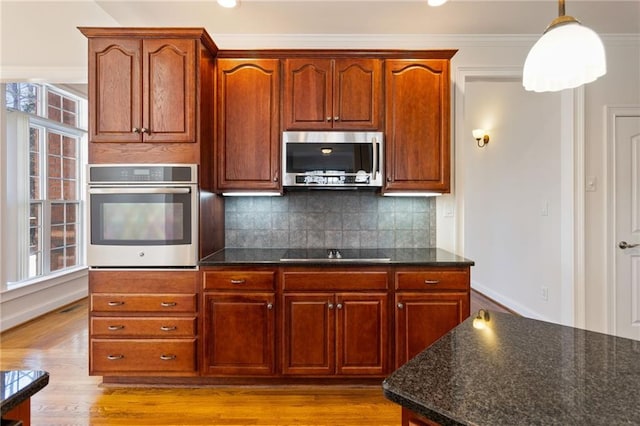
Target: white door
x=627 y=226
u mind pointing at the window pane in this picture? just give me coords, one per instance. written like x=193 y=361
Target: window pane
x=54 y=114
x=69 y=168
x=54 y=188
x=22 y=96
x=71 y=212
x=54 y=167
x=53 y=99
x=57 y=214
x=70 y=235
x=57 y=259
x=71 y=257
x=54 y=143
x=69 y=146
x=69 y=105
x=35 y=249
x=57 y=236
x=69 y=118
x=70 y=190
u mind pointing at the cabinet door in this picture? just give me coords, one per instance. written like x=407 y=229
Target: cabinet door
x=307 y=100
x=361 y=336
x=239 y=334
x=417 y=125
x=422 y=318
x=357 y=94
x=309 y=328
x=248 y=144
x=169 y=87
x=115 y=90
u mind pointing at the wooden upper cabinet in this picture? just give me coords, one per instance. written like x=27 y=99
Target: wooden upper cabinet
x=340 y=94
x=142 y=90
x=248 y=142
x=417 y=104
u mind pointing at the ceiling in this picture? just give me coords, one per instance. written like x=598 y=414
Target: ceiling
x=44 y=33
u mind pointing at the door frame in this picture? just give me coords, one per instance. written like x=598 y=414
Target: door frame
x=612 y=112
x=572 y=138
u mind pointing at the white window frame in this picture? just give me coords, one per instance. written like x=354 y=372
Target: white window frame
x=15 y=192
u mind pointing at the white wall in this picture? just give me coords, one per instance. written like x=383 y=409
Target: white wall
x=512 y=195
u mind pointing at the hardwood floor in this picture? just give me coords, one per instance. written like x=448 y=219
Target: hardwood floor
x=57 y=343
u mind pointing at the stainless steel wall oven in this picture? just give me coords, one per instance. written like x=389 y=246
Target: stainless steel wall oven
x=143 y=215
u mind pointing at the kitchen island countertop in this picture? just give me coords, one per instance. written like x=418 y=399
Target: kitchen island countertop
x=395 y=257
x=519 y=371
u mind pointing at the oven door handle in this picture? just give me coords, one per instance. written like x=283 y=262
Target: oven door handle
x=139 y=190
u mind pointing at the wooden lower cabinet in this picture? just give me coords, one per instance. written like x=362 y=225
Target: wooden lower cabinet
x=335 y=334
x=143 y=323
x=409 y=418
x=240 y=334
x=429 y=301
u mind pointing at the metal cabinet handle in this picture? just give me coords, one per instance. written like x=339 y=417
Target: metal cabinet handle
x=115 y=357
x=269 y=306
x=400 y=306
x=116 y=303
x=145 y=130
x=168 y=304
x=624 y=245
x=388 y=178
x=330 y=305
x=339 y=306
x=275 y=178
x=235 y=281
x=328 y=118
x=336 y=118
x=116 y=327
x=167 y=357
x=135 y=130
x=431 y=282
x=168 y=328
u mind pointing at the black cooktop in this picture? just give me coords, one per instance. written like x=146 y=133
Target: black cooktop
x=336 y=255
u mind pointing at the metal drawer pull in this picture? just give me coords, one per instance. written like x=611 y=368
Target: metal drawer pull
x=116 y=303
x=330 y=305
x=114 y=357
x=116 y=327
x=400 y=306
x=269 y=306
x=167 y=357
x=432 y=282
x=168 y=328
x=168 y=304
x=240 y=281
x=339 y=306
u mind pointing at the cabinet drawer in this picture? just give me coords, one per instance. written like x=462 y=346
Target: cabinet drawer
x=239 y=280
x=162 y=327
x=143 y=356
x=143 y=281
x=156 y=303
x=432 y=279
x=335 y=280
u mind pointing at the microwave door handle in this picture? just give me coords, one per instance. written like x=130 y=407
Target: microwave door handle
x=139 y=190
x=374 y=142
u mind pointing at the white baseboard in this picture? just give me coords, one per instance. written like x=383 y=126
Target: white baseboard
x=507 y=303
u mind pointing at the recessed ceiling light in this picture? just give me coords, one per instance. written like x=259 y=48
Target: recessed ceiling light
x=436 y=2
x=228 y=3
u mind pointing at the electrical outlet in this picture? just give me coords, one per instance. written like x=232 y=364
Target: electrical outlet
x=544 y=293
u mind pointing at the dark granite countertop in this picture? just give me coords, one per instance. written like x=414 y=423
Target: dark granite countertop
x=371 y=257
x=519 y=371
x=16 y=386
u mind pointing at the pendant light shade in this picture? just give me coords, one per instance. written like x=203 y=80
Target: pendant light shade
x=567 y=55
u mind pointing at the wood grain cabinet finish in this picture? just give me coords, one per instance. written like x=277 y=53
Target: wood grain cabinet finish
x=335 y=333
x=338 y=94
x=248 y=117
x=341 y=334
x=428 y=304
x=143 y=323
x=239 y=323
x=417 y=121
x=142 y=90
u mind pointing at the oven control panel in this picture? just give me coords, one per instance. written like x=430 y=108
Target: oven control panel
x=137 y=173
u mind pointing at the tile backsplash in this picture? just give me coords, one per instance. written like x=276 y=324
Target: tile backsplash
x=324 y=219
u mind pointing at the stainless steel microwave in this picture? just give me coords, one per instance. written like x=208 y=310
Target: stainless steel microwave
x=332 y=159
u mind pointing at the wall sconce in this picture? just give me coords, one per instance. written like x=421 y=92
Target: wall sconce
x=480 y=135
x=481 y=319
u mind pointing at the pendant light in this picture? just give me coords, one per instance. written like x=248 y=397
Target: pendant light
x=567 y=55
